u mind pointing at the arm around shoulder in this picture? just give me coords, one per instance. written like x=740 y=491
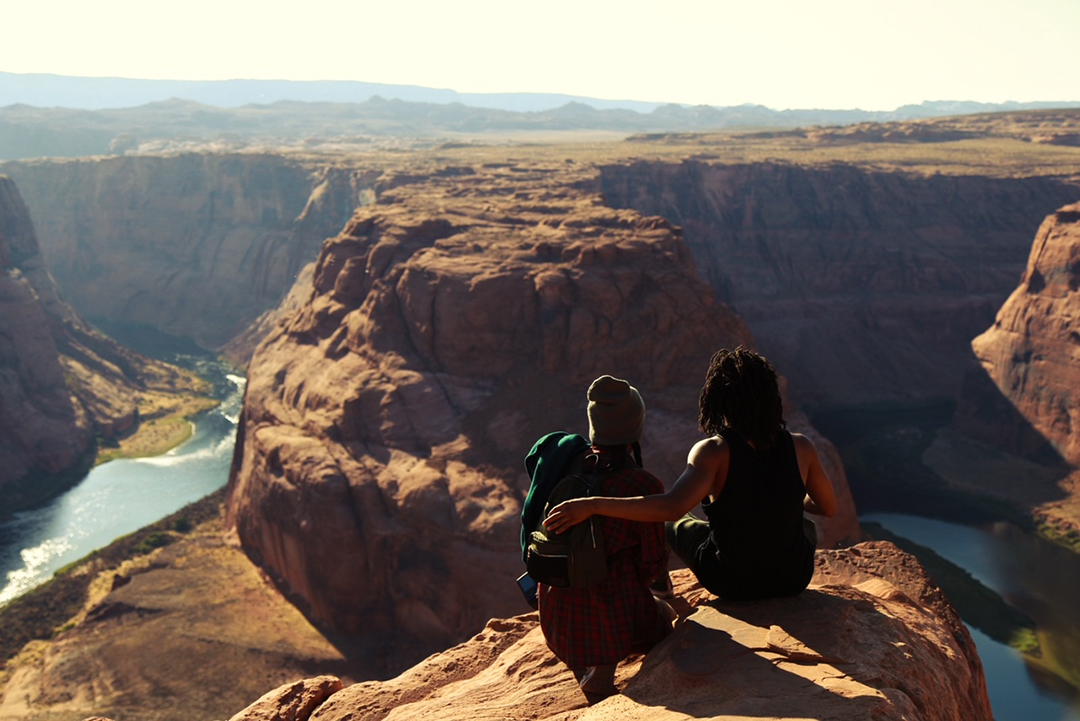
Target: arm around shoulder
x=820 y=498
x=706 y=466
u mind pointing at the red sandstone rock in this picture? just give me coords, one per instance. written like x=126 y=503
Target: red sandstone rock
x=43 y=429
x=862 y=287
x=873 y=637
x=1031 y=352
x=378 y=469
x=291 y=702
x=1020 y=396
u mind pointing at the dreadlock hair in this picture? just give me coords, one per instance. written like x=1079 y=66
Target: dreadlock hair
x=741 y=393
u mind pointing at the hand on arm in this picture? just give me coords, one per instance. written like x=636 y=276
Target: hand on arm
x=820 y=498
x=707 y=462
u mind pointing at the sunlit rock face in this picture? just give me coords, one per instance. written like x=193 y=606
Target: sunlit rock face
x=861 y=286
x=196 y=245
x=1031 y=354
x=873 y=637
x=378 y=467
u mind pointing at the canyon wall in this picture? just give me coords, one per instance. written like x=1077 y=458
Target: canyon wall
x=1031 y=353
x=842 y=272
x=196 y=245
x=378 y=469
x=1018 y=400
x=63 y=384
x=861 y=286
x=42 y=427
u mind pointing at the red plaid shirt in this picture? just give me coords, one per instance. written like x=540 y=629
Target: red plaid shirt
x=606 y=623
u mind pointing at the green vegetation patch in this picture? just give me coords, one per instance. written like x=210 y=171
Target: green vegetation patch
x=1059 y=533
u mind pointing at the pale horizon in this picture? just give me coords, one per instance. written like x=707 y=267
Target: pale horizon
x=836 y=54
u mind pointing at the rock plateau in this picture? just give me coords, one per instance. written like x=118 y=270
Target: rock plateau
x=378 y=470
x=871 y=638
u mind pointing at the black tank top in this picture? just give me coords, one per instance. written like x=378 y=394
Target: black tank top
x=756 y=523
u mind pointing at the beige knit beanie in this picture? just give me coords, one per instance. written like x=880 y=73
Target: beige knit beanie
x=616 y=412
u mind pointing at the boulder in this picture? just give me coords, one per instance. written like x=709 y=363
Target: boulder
x=291 y=702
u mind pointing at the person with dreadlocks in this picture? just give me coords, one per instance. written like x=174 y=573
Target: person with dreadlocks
x=753 y=479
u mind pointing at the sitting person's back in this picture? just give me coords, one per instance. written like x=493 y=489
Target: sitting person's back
x=592 y=629
x=604 y=624
x=756 y=524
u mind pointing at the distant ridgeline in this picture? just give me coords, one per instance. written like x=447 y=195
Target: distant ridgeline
x=57 y=116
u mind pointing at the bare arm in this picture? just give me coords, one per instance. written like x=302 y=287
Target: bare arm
x=706 y=469
x=820 y=499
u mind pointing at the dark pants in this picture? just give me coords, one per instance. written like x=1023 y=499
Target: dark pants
x=688 y=538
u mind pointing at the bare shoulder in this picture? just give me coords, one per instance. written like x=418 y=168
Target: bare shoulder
x=803 y=444
x=710 y=450
x=805 y=451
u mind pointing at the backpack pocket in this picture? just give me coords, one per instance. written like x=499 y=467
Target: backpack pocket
x=547 y=559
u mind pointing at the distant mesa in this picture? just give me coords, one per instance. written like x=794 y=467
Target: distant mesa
x=56 y=116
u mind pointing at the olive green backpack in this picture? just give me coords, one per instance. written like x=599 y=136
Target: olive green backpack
x=576 y=558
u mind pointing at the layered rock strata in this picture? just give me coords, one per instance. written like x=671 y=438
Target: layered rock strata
x=43 y=429
x=1020 y=394
x=873 y=637
x=63 y=384
x=846 y=273
x=378 y=472
x=1032 y=351
x=195 y=245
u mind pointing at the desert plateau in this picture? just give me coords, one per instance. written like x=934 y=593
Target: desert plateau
x=412 y=312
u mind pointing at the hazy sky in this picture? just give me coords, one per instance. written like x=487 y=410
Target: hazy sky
x=868 y=54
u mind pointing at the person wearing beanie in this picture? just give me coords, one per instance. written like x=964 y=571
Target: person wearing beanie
x=592 y=630
x=753 y=479
x=616 y=412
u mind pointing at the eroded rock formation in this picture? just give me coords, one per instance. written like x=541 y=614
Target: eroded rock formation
x=862 y=286
x=873 y=637
x=378 y=465
x=1020 y=393
x=43 y=429
x=1032 y=351
x=63 y=384
x=196 y=245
